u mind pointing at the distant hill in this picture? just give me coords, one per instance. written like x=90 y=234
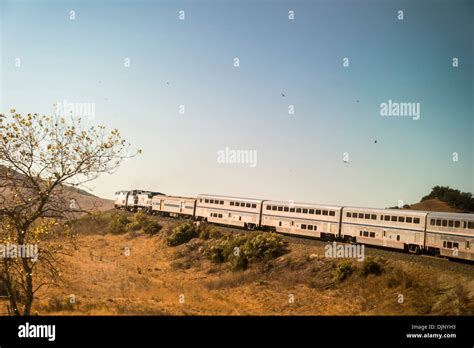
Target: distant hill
x=84 y=200
x=444 y=198
x=434 y=205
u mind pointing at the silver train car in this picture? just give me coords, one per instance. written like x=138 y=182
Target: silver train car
x=173 y=206
x=234 y=211
x=450 y=235
x=392 y=228
x=445 y=234
x=313 y=220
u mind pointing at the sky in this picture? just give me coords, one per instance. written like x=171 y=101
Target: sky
x=138 y=63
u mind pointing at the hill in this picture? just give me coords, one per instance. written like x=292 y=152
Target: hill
x=434 y=205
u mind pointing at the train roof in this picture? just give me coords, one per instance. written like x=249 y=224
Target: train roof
x=444 y=215
x=301 y=204
x=390 y=211
x=177 y=197
x=251 y=200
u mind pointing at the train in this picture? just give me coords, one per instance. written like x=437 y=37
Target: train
x=443 y=234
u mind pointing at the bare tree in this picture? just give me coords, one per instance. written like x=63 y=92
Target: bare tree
x=43 y=162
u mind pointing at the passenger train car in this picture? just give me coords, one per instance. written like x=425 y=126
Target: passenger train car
x=450 y=234
x=445 y=234
x=314 y=220
x=173 y=206
x=393 y=228
x=235 y=211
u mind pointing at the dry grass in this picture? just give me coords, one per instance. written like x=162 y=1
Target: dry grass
x=156 y=279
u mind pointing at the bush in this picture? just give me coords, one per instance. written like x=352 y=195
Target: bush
x=216 y=253
x=207 y=231
x=371 y=266
x=238 y=262
x=141 y=222
x=343 y=271
x=265 y=246
x=118 y=223
x=182 y=234
x=240 y=250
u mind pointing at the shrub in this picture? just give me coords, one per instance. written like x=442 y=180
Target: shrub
x=182 y=234
x=264 y=246
x=343 y=271
x=207 y=231
x=238 y=261
x=371 y=266
x=141 y=222
x=118 y=223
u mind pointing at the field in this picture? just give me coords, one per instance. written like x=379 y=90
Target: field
x=135 y=273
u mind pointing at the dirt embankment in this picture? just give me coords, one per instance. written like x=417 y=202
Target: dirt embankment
x=133 y=273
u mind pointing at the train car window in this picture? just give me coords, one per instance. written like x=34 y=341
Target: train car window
x=401 y=219
x=315 y=228
x=236 y=204
x=303 y=227
x=457 y=224
x=450 y=223
x=394 y=218
x=444 y=244
x=279 y=223
x=332 y=213
x=318 y=212
x=372 y=234
x=254 y=206
x=409 y=220
x=310 y=227
x=248 y=205
x=286 y=209
x=222 y=202
x=348 y=214
x=325 y=212
x=211 y=201
x=305 y=211
x=232 y=204
x=432 y=222
x=416 y=220
x=456 y=245
x=465 y=224
x=360 y=233
x=280 y=208
x=470 y=224
x=240 y=218
x=445 y=223
x=206 y=201
x=269 y=207
x=384 y=233
x=311 y=211
x=298 y=210
x=386 y=217
x=438 y=222
x=361 y=216
x=292 y=210
x=367 y=216
x=398 y=237
x=366 y=233
x=381 y=217
x=449 y=245
x=373 y=217
x=274 y=207
x=468 y=245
